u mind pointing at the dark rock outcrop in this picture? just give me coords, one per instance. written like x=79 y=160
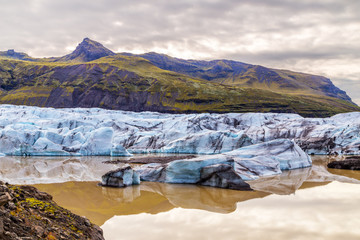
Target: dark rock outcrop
x=351 y=163
x=26 y=213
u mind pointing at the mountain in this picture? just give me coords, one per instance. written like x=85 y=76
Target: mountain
x=88 y=50
x=11 y=54
x=93 y=76
x=246 y=75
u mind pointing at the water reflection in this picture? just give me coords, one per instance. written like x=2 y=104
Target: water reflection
x=284 y=184
x=99 y=203
x=28 y=170
x=324 y=212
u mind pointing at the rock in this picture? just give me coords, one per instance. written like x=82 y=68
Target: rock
x=4 y=198
x=39 y=230
x=351 y=164
x=121 y=177
x=229 y=170
x=12 y=206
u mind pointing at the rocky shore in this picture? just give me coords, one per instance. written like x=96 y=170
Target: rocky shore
x=26 y=213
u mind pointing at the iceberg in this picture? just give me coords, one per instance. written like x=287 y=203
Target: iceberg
x=226 y=170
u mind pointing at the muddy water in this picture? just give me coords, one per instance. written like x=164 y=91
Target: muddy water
x=312 y=203
x=324 y=212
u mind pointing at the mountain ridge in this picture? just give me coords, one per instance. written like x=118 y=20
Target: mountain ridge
x=93 y=76
x=234 y=73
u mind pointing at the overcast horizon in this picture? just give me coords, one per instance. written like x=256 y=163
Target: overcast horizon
x=321 y=37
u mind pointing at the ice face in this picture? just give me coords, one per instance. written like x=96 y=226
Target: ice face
x=80 y=131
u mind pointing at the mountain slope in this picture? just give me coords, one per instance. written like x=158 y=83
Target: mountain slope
x=132 y=83
x=124 y=82
x=11 y=54
x=246 y=75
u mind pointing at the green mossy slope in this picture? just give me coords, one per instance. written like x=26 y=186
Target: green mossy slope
x=134 y=83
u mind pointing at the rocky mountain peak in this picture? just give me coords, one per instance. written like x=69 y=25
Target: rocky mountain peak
x=88 y=50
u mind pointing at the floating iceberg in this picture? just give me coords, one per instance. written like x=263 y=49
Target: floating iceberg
x=226 y=170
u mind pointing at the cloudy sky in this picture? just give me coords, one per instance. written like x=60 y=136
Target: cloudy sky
x=320 y=37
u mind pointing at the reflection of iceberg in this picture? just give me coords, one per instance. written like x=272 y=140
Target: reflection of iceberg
x=123 y=195
x=199 y=197
x=290 y=181
x=19 y=170
x=100 y=204
x=286 y=183
x=320 y=173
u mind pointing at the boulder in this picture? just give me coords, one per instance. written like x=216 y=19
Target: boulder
x=122 y=177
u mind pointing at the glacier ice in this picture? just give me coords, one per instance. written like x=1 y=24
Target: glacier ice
x=38 y=131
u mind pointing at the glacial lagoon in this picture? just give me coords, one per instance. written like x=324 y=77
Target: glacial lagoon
x=309 y=203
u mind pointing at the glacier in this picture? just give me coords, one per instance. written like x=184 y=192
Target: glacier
x=35 y=131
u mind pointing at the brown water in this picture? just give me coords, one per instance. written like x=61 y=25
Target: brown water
x=299 y=204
